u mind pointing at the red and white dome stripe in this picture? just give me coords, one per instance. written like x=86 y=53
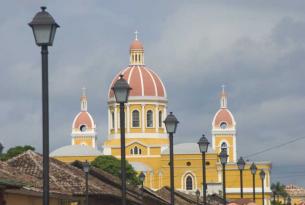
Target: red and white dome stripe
x=142 y=80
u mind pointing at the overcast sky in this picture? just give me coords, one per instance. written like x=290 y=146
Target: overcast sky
x=255 y=48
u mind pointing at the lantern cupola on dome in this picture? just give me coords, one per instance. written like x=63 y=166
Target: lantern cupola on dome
x=136 y=52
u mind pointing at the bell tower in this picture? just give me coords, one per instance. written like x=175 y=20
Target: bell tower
x=83 y=127
x=224 y=129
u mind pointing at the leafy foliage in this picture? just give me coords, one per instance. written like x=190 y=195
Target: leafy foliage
x=14 y=151
x=279 y=191
x=112 y=165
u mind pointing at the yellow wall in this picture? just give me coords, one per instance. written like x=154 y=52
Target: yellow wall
x=83 y=141
x=26 y=199
x=229 y=140
x=70 y=159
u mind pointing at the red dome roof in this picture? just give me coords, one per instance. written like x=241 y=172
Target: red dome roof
x=83 y=118
x=223 y=115
x=142 y=80
x=136 y=45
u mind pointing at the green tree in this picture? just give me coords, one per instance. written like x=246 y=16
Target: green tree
x=279 y=192
x=14 y=151
x=112 y=165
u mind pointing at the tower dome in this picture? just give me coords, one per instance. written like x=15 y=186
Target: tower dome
x=83 y=120
x=223 y=119
x=83 y=126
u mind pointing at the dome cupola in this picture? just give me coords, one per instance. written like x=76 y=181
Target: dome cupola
x=83 y=126
x=143 y=80
x=136 y=52
x=223 y=119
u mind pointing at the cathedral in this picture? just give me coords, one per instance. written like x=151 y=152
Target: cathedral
x=147 y=143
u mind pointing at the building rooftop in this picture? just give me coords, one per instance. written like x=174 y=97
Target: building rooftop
x=75 y=150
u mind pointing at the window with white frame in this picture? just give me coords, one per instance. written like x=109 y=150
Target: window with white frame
x=136 y=151
x=149 y=118
x=224 y=146
x=135 y=118
x=189 y=183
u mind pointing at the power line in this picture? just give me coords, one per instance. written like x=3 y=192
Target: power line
x=275 y=147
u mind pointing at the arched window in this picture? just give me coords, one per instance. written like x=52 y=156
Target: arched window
x=160 y=118
x=131 y=151
x=112 y=120
x=224 y=146
x=140 y=151
x=135 y=118
x=135 y=150
x=189 y=183
x=82 y=128
x=149 y=118
x=223 y=125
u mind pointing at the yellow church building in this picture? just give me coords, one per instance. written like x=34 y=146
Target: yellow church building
x=147 y=143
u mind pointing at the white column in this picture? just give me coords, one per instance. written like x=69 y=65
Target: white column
x=143 y=118
x=128 y=117
x=115 y=119
x=156 y=117
x=109 y=121
x=164 y=116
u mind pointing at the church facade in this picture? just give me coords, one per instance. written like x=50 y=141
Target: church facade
x=147 y=143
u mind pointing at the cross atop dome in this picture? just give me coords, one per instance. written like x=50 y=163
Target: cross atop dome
x=83 y=100
x=136 y=33
x=136 y=51
x=223 y=98
x=223 y=88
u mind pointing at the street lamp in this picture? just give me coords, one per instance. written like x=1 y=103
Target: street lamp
x=223 y=160
x=198 y=196
x=86 y=170
x=1 y=148
x=142 y=179
x=171 y=123
x=241 y=166
x=44 y=29
x=203 y=146
x=253 y=169
x=121 y=91
x=289 y=200
x=262 y=176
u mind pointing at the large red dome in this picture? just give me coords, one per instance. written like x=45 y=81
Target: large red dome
x=143 y=81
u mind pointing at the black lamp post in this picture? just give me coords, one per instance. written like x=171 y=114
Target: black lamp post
x=1 y=148
x=142 y=179
x=223 y=160
x=44 y=28
x=273 y=189
x=241 y=166
x=289 y=200
x=203 y=146
x=171 y=123
x=262 y=176
x=253 y=169
x=121 y=91
x=198 y=196
x=86 y=170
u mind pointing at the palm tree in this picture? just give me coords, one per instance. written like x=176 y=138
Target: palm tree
x=279 y=191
